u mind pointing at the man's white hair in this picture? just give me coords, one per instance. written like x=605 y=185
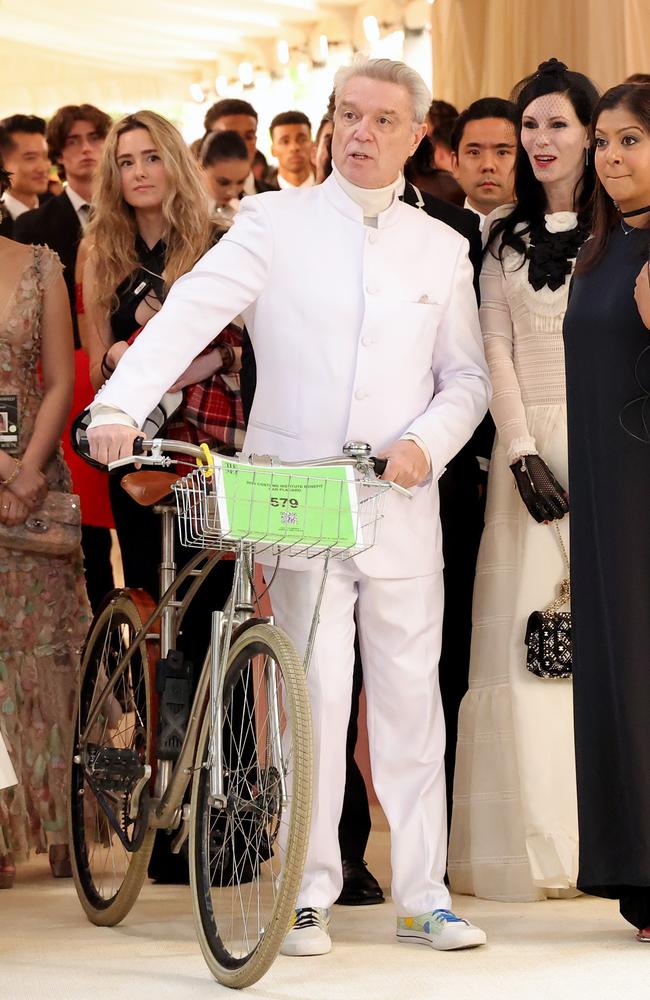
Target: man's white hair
x=388 y=71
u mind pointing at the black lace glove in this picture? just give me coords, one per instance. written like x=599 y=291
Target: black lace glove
x=544 y=497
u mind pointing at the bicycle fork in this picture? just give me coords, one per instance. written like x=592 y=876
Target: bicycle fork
x=239 y=609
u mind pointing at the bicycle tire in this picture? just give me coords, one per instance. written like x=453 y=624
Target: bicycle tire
x=237 y=971
x=120 y=619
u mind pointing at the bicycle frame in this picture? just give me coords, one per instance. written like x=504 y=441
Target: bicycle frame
x=173 y=777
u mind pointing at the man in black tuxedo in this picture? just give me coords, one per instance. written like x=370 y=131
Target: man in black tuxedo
x=23 y=149
x=462 y=522
x=234 y=115
x=75 y=136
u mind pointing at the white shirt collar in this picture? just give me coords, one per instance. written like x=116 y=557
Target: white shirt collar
x=16 y=207
x=373 y=201
x=286 y=185
x=79 y=204
x=481 y=217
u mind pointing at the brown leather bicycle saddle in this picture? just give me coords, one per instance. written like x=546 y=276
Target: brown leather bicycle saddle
x=149 y=486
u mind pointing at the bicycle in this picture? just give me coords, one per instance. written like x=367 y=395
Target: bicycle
x=245 y=743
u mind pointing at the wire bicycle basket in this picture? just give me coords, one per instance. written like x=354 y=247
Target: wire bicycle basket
x=299 y=512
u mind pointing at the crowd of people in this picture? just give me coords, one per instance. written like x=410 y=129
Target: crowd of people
x=417 y=266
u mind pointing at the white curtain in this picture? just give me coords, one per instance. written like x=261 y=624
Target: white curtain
x=482 y=48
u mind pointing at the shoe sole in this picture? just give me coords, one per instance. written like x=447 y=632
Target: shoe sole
x=305 y=954
x=440 y=947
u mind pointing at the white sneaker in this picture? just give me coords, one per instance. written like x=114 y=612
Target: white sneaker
x=309 y=933
x=441 y=930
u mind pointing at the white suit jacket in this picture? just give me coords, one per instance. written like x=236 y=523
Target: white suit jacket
x=359 y=333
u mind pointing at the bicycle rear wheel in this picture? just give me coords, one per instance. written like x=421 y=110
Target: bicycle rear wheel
x=247 y=859
x=108 y=801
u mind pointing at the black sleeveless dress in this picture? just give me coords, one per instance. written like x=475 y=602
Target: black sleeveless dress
x=607 y=350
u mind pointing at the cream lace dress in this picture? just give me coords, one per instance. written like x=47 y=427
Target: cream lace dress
x=514 y=826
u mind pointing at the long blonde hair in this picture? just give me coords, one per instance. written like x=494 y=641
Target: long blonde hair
x=112 y=232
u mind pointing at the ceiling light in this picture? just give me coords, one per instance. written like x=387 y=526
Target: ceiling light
x=246 y=73
x=323 y=46
x=197 y=93
x=371 y=29
x=283 y=51
x=221 y=85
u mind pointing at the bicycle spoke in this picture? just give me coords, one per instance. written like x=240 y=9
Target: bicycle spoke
x=244 y=844
x=100 y=799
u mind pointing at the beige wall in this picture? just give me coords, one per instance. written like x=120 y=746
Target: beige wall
x=482 y=47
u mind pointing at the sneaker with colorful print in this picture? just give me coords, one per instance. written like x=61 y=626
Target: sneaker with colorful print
x=440 y=929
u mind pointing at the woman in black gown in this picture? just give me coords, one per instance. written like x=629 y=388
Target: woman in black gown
x=607 y=347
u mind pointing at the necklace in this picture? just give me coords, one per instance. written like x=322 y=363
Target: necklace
x=637 y=211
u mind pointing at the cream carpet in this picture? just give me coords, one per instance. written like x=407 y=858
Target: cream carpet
x=558 y=950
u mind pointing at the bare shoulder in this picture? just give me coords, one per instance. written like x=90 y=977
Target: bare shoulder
x=15 y=253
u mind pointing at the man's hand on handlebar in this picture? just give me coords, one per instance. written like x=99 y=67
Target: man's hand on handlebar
x=109 y=442
x=406 y=464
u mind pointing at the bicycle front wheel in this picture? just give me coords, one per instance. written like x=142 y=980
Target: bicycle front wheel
x=247 y=858
x=111 y=842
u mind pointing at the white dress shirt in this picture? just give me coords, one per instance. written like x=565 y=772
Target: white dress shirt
x=285 y=185
x=80 y=205
x=481 y=217
x=16 y=207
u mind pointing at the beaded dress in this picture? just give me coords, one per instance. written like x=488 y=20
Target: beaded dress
x=44 y=612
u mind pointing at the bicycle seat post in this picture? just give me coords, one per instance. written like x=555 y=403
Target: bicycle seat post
x=167 y=575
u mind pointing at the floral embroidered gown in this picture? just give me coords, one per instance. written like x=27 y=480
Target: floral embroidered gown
x=44 y=612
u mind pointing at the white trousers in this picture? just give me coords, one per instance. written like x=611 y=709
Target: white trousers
x=400 y=623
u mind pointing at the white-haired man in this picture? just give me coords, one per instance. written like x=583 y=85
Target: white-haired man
x=373 y=335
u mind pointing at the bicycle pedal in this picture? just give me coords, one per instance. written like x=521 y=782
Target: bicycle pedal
x=174 y=687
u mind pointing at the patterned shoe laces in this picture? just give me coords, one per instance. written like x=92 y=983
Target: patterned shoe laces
x=308 y=916
x=448 y=917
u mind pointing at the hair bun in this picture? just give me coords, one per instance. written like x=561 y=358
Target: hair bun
x=552 y=67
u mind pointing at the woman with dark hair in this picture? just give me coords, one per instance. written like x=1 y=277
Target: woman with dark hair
x=514 y=832
x=608 y=394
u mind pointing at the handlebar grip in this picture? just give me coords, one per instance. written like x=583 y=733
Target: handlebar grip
x=138 y=446
x=379 y=465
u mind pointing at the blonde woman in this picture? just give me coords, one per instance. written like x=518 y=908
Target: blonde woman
x=150 y=225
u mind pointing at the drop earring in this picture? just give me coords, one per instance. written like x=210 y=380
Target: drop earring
x=586 y=156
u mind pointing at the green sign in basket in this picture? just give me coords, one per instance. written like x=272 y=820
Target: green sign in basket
x=316 y=507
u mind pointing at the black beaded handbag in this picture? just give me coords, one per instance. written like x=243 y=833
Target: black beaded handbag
x=548 y=633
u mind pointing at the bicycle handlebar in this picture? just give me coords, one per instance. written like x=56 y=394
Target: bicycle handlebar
x=355 y=454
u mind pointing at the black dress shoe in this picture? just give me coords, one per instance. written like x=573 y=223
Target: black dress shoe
x=360 y=887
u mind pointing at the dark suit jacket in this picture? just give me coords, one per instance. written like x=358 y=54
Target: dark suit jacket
x=55 y=224
x=6 y=226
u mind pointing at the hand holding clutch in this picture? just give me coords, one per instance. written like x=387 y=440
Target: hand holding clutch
x=543 y=495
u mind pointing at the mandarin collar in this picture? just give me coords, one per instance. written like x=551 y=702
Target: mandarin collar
x=350 y=208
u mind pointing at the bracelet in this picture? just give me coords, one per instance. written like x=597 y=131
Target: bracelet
x=227 y=357
x=105 y=370
x=14 y=475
